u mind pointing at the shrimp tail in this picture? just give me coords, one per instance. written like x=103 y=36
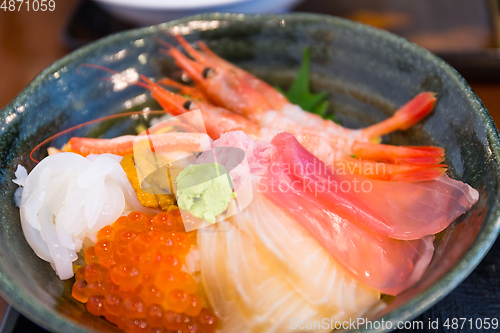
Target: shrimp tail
x=391 y=172
x=419 y=174
x=407 y=116
x=376 y=161
x=398 y=154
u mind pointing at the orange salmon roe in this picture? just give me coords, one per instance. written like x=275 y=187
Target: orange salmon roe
x=133 y=277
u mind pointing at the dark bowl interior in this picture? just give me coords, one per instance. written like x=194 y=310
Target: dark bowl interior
x=367 y=73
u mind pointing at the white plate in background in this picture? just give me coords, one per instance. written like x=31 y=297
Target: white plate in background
x=148 y=12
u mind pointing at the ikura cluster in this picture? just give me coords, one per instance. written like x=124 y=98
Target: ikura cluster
x=133 y=277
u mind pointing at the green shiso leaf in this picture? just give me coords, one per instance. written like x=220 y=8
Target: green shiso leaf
x=300 y=93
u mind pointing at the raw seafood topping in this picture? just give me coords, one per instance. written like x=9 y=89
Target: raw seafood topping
x=271 y=214
x=134 y=278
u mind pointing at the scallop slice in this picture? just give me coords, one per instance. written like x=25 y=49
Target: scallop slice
x=263 y=272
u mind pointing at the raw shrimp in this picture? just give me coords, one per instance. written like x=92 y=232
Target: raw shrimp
x=236 y=95
x=420 y=163
x=275 y=122
x=223 y=87
x=216 y=120
x=124 y=145
x=401 y=163
x=275 y=99
x=234 y=89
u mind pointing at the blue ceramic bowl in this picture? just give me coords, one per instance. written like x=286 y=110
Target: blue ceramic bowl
x=367 y=73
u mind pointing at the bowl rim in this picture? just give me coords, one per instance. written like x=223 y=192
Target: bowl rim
x=35 y=310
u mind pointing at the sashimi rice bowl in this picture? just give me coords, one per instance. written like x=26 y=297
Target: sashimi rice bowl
x=230 y=173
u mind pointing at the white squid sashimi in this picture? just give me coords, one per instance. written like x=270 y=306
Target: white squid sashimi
x=262 y=272
x=67 y=198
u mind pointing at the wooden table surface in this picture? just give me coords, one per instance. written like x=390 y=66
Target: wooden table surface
x=30 y=41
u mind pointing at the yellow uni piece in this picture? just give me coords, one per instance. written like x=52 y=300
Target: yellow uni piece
x=162 y=201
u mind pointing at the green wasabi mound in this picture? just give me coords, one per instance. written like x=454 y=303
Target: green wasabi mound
x=204 y=190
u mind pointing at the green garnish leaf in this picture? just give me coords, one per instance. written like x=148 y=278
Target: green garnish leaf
x=300 y=93
x=322 y=110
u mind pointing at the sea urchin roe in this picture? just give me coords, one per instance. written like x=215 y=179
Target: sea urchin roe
x=162 y=201
x=133 y=277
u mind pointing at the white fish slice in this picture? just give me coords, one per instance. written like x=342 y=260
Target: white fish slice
x=320 y=276
x=262 y=269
